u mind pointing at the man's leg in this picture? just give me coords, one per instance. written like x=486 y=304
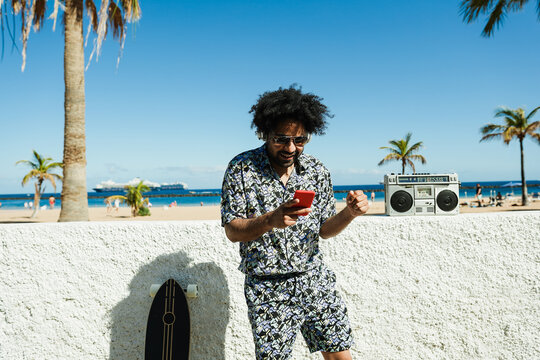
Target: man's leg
x=274 y=329
x=342 y=355
x=326 y=327
x=274 y=315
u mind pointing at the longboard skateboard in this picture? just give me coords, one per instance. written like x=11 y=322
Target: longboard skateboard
x=168 y=327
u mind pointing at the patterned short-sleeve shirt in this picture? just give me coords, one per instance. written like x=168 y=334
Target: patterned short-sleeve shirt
x=251 y=188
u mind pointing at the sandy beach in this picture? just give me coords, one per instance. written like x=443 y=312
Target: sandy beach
x=212 y=212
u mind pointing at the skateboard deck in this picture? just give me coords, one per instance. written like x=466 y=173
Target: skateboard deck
x=168 y=327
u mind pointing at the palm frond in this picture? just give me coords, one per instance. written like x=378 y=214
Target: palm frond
x=54 y=14
x=471 y=9
x=414 y=148
x=506 y=112
x=496 y=18
x=491 y=136
x=26 y=26
x=27 y=162
x=408 y=137
x=515 y=5
x=418 y=157
x=132 y=10
x=17 y=6
x=388 y=158
x=396 y=143
x=91 y=11
x=536 y=136
x=102 y=27
x=489 y=128
x=393 y=150
x=53 y=165
x=39 y=13
x=11 y=33
x=32 y=174
x=531 y=128
x=510 y=133
x=531 y=114
x=116 y=21
x=143 y=188
x=411 y=164
x=514 y=118
x=36 y=155
x=51 y=178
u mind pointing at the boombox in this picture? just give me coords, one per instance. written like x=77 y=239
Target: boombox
x=421 y=194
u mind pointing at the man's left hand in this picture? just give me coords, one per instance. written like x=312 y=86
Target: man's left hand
x=357 y=203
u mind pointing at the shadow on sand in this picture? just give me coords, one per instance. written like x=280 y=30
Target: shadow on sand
x=209 y=311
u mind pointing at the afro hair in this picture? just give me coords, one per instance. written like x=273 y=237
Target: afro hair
x=273 y=107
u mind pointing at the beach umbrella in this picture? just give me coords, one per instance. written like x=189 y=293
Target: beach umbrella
x=512 y=184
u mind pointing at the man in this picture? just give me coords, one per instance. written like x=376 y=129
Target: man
x=287 y=285
x=478 y=195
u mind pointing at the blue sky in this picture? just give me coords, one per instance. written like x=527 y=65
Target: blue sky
x=176 y=108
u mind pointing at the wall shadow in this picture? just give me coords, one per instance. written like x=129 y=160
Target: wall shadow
x=209 y=312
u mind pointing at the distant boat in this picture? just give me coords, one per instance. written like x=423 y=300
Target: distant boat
x=111 y=186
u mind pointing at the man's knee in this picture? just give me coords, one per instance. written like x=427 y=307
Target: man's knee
x=342 y=355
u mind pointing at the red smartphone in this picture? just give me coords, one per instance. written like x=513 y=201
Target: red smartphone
x=305 y=196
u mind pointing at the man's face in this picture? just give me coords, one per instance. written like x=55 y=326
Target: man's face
x=283 y=155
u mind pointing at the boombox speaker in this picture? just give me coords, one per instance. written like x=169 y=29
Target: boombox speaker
x=421 y=194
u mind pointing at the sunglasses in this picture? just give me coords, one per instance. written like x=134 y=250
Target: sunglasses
x=284 y=140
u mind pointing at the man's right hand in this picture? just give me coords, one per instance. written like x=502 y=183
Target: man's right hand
x=244 y=230
x=287 y=214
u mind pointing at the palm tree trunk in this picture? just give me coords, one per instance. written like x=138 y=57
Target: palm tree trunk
x=403 y=167
x=74 y=194
x=37 y=197
x=524 y=197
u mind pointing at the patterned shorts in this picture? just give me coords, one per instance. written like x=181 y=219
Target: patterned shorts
x=279 y=306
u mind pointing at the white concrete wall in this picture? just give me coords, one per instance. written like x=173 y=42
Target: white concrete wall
x=463 y=287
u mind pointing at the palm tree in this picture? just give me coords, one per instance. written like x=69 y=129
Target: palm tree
x=516 y=126
x=133 y=198
x=401 y=151
x=40 y=171
x=74 y=193
x=470 y=9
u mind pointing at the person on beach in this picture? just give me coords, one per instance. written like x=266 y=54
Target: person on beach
x=499 y=199
x=52 y=201
x=372 y=197
x=478 y=195
x=287 y=285
x=108 y=204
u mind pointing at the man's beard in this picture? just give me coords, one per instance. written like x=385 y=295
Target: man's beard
x=285 y=159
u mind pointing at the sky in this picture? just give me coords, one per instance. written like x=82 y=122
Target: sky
x=176 y=108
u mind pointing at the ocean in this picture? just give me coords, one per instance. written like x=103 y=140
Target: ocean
x=196 y=197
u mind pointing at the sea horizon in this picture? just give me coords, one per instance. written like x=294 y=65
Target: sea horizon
x=211 y=196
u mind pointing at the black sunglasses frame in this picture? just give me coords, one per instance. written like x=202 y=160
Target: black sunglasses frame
x=284 y=139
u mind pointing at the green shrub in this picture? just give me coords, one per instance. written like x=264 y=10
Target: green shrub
x=144 y=211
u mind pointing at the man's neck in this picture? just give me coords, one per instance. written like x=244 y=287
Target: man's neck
x=284 y=173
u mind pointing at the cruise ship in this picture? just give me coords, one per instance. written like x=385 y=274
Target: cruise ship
x=111 y=186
